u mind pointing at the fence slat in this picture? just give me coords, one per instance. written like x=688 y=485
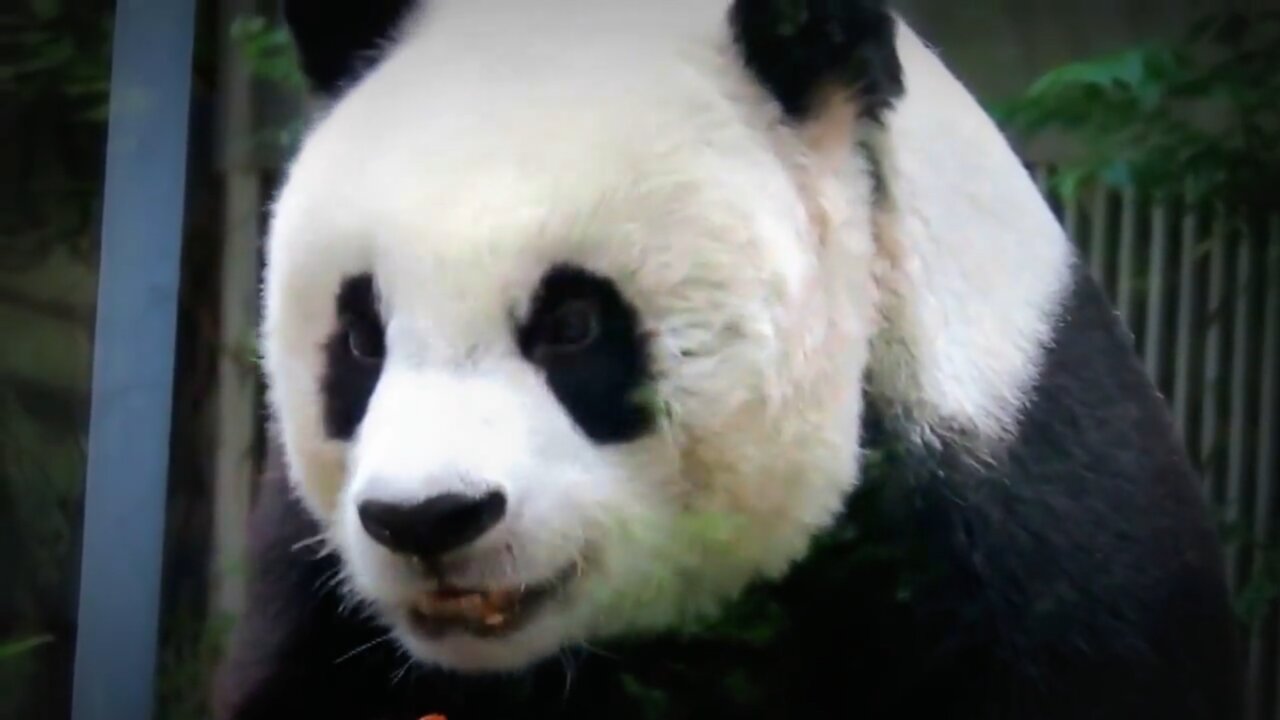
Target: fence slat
x=1239 y=439
x=1127 y=251
x=1071 y=209
x=1213 y=359
x=1041 y=175
x=1187 y=300
x=1238 y=430
x=1098 y=237
x=1153 y=351
x=1266 y=646
x=1229 y=419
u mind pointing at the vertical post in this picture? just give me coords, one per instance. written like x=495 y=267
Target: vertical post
x=128 y=458
x=237 y=387
x=1260 y=644
x=1041 y=175
x=1125 y=270
x=1100 y=209
x=1156 y=294
x=1072 y=213
x=1211 y=411
x=1241 y=396
x=1183 y=340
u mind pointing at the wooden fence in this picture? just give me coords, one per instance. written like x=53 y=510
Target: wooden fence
x=1201 y=298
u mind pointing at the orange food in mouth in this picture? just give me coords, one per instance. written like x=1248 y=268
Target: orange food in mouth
x=490 y=607
x=484 y=612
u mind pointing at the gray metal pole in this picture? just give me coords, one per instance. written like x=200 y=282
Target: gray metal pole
x=134 y=345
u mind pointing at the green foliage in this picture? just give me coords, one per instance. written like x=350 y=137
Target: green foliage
x=54 y=70
x=1260 y=595
x=1201 y=114
x=57 y=51
x=273 y=60
x=1258 y=598
x=189 y=653
x=652 y=702
x=753 y=619
x=40 y=472
x=268 y=50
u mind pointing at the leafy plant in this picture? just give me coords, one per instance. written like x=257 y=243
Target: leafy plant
x=269 y=51
x=272 y=58
x=57 y=51
x=54 y=69
x=1257 y=599
x=192 y=645
x=1200 y=115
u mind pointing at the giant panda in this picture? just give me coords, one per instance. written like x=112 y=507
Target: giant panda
x=697 y=359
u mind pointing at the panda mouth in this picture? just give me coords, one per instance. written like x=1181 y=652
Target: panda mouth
x=491 y=612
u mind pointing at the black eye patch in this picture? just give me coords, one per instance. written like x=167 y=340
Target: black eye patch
x=354 y=355
x=586 y=338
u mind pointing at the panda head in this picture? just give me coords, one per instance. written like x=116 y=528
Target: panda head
x=569 y=304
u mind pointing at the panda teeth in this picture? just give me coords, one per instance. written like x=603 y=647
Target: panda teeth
x=491 y=607
x=442 y=603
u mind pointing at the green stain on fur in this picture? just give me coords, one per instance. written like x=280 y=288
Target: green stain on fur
x=675 y=556
x=648 y=397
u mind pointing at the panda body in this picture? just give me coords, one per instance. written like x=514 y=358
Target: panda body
x=844 y=428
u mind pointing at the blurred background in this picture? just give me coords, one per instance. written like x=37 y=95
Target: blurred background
x=1152 y=125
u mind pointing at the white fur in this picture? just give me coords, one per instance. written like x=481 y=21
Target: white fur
x=501 y=136
x=974 y=263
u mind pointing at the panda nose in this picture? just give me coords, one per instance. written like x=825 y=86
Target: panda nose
x=435 y=526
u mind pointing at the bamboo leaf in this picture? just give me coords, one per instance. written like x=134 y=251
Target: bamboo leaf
x=21 y=647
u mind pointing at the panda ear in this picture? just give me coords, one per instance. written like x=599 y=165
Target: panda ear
x=337 y=41
x=801 y=50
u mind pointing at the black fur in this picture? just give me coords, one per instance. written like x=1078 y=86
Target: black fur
x=601 y=385
x=348 y=381
x=795 y=48
x=1075 y=577
x=338 y=41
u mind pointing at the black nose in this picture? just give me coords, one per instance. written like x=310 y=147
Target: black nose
x=434 y=526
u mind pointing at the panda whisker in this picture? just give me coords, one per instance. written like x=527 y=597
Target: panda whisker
x=566 y=660
x=328 y=580
x=336 y=580
x=352 y=602
x=321 y=539
x=510 y=558
x=579 y=562
x=401 y=672
x=597 y=651
x=372 y=643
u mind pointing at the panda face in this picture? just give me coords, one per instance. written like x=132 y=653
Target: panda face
x=562 y=348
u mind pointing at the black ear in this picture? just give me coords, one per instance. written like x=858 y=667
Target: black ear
x=797 y=48
x=337 y=41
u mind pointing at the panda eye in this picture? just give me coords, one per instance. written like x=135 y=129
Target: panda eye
x=365 y=341
x=571 y=328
